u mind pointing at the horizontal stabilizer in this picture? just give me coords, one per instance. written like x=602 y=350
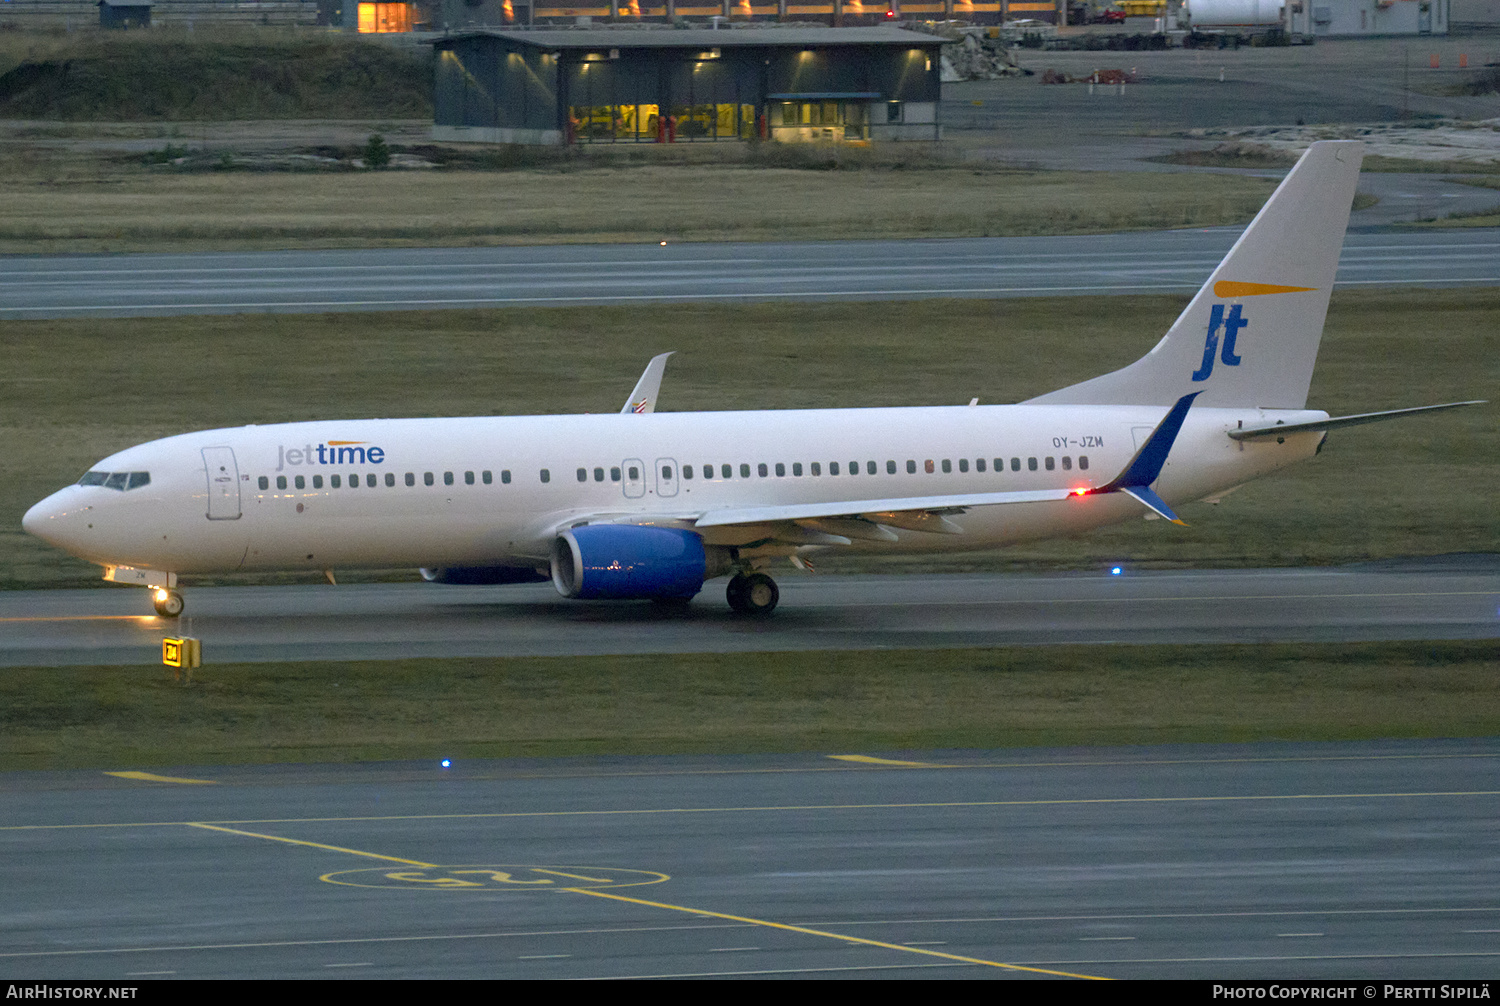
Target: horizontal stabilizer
x=1281 y=429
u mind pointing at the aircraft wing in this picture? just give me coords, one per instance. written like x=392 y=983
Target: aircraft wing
x=839 y=522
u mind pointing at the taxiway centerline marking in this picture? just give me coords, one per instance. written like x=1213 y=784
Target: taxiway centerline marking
x=835 y=936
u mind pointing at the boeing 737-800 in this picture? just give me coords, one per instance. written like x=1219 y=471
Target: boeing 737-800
x=646 y=504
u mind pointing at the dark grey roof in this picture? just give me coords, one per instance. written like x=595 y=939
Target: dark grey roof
x=703 y=38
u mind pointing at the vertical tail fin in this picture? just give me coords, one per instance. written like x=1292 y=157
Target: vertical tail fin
x=1250 y=335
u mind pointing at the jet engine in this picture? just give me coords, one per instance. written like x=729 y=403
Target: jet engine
x=622 y=561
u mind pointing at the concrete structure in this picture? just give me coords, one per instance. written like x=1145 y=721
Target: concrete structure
x=124 y=13
x=1371 y=17
x=610 y=86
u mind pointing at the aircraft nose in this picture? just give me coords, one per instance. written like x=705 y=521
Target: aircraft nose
x=48 y=520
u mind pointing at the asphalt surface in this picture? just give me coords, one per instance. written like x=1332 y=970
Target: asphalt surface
x=393 y=279
x=1368 y=861
x=381 y=621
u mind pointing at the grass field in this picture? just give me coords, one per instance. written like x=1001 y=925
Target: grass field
x=56 y=207
x=126 y=717
x=74 y=391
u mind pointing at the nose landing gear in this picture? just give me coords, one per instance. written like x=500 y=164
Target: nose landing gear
x=752 y=593
x=168 y=603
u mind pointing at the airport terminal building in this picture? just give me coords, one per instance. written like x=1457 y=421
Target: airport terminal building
x=687 y=86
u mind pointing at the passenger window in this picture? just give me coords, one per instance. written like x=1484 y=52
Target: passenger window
x=138 y=479
x=870 y=467
x=334 y=482
x=817 y=469
x=833 y=468
x=427 y=478
x=263 y=482
x=1031 y=464
x=370 y=480
x=978 y=464
x=300 y=482
x=635 y=473
x=317 y=482
x=614 y=474
x=666 y=473
x=411 y=479
x=947 y=466
x=927 y=466
x=390 y=479
x=354 y=481
x=447 y=478
x=1051 y=464
x=1067 y=464
x=762 y=470
x=547 y=476
x=911 y=467
x=486 y=477
x=598 y=475
x=505 y=476
x=963 y=465
x=1015 y=464
x=468 y=478
x=1083 y=462
x=281 y=482
x=890 y=467
x=744 y=471
x=726 y=472
x=780 y=470
x=687 y=471
x=583 y=475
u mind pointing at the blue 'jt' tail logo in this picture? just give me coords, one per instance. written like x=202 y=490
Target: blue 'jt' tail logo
x=1231 y=326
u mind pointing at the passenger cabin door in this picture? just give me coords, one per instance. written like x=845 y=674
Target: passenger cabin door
x=635 y=478
x=666 y=477
x=223 y=483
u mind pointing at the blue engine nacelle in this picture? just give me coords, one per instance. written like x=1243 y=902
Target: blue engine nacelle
x=470 y=575
x=623 y=561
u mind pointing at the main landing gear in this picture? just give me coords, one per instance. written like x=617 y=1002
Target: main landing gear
x=753 y=593
x=167 y=602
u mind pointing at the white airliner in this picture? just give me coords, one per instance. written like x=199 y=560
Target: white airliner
x=646 y=504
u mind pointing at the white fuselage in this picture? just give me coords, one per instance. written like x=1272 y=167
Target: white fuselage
x=479 y=495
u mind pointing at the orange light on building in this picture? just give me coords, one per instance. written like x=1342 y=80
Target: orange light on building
x=509 y=11
x=634 y=8
x=385 y=18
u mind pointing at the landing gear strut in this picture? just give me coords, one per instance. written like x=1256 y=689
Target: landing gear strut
x=753 y=593
x=167 y=602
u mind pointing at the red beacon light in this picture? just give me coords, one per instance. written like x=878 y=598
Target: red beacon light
x=890 y=13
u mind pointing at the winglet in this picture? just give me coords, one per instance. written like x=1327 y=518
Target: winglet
x=1143 y=469
x=643 y=399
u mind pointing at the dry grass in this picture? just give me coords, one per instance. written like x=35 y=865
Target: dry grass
x=74 y=391
x=120 y=717
x=136 y=210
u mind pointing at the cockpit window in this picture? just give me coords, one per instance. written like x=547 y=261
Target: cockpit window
x=118 y=481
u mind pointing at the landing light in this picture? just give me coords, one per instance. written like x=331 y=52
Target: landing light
x=446 y=763
x=1116 y=570
x=161 y=594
